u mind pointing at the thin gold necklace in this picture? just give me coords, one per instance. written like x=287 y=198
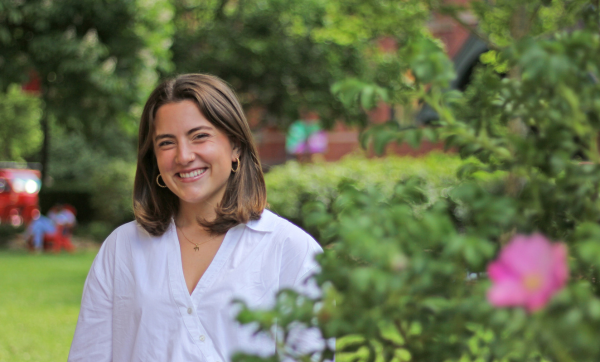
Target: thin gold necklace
x=196 y=248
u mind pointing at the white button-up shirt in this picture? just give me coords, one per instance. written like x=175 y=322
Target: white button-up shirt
x=136 y=306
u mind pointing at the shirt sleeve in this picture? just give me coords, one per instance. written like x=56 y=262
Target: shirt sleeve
x=298 y=262
x=298 y=267
x=93 y=335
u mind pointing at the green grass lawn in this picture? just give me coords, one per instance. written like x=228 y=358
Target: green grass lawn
x=39 y=304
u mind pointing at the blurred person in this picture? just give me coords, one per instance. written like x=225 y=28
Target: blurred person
x=54 y=211
x=40 y=228
x=67 y=218
x=305 y=137
x=161 y=287
x=63 y=216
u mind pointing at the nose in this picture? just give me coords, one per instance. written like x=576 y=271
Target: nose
x=184 y=154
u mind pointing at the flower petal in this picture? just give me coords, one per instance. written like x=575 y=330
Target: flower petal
x=559 y=264
x=526 y=254
x=507 y=293
x=537 y=301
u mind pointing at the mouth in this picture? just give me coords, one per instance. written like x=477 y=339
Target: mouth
x=191 y=175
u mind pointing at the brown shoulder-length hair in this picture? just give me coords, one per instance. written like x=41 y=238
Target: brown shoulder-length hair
x=245 y=195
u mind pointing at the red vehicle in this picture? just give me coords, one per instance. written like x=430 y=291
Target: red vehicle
x=19 y=187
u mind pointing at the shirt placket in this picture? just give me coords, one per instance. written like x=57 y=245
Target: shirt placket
x=187 y=310
x=200 y=335
x=185 y=302
x=207 y=281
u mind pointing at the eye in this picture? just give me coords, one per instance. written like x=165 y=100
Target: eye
x=164 y=143
x=199 y=136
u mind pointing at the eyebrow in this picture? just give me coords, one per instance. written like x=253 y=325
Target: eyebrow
x=162 y=136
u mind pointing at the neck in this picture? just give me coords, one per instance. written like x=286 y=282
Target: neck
x=189 y=213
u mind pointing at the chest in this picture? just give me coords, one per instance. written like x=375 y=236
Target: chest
x=196 y=258
x=159 y=280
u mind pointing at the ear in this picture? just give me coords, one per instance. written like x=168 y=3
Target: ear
x=235 y=153
x=236 y=150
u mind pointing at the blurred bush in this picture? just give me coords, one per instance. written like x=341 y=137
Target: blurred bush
x=96 y=230
x=68 y=194
x=20 y=132
x=293 y=186
x=9 y=232
x=112 y=187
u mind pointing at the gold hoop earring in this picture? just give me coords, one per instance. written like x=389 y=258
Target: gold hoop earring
x=237 y=159
x=158 y=182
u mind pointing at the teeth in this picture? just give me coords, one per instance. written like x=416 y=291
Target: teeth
x=191 y=174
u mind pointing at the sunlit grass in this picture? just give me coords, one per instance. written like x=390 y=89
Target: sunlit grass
x=39 y=303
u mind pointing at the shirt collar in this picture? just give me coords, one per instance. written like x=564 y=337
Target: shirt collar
x=266 y=223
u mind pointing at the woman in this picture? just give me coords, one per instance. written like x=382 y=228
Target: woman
x=160 y=288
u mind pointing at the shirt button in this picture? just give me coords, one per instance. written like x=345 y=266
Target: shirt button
x=190 y=310
x=202 y=338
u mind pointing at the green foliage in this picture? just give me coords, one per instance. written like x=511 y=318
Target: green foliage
x=8 y=232
x=96 y=230
x=352 y=91
x=75 y=159
x=113 y=192
x=20 y=133
x=97 y=167
x=269 y=51
x=286 y=54
x=428 y=62
x=96 y=53
x=397 y=273
x=96 y=61
x=295 y=187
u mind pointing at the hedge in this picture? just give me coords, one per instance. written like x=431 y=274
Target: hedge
x=293 y=185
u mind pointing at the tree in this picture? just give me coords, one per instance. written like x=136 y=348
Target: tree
x=96 y=60
x=285 y=54
x=20 y=133
x=404 y=280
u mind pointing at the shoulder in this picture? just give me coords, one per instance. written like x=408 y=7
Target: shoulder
x=292 y=242
x=130 y=243
x=126 y=235
x=280 y=228
x=270 y=222
x=128 y=230
x=295 y=249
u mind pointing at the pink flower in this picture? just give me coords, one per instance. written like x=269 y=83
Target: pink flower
x=529 y=271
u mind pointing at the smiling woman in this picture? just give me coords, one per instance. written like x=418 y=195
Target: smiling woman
x=161 y=288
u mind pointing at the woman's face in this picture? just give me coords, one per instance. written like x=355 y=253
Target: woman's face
x=194 y=157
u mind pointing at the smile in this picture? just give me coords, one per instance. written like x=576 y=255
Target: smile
x=195 y=173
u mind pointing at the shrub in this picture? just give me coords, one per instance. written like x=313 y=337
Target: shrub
x=96 y=230
x=112 y=187
x=8 y=232
x=20 y=131
x=293 y=186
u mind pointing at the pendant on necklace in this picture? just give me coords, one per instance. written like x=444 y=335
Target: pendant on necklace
x=196 y=248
